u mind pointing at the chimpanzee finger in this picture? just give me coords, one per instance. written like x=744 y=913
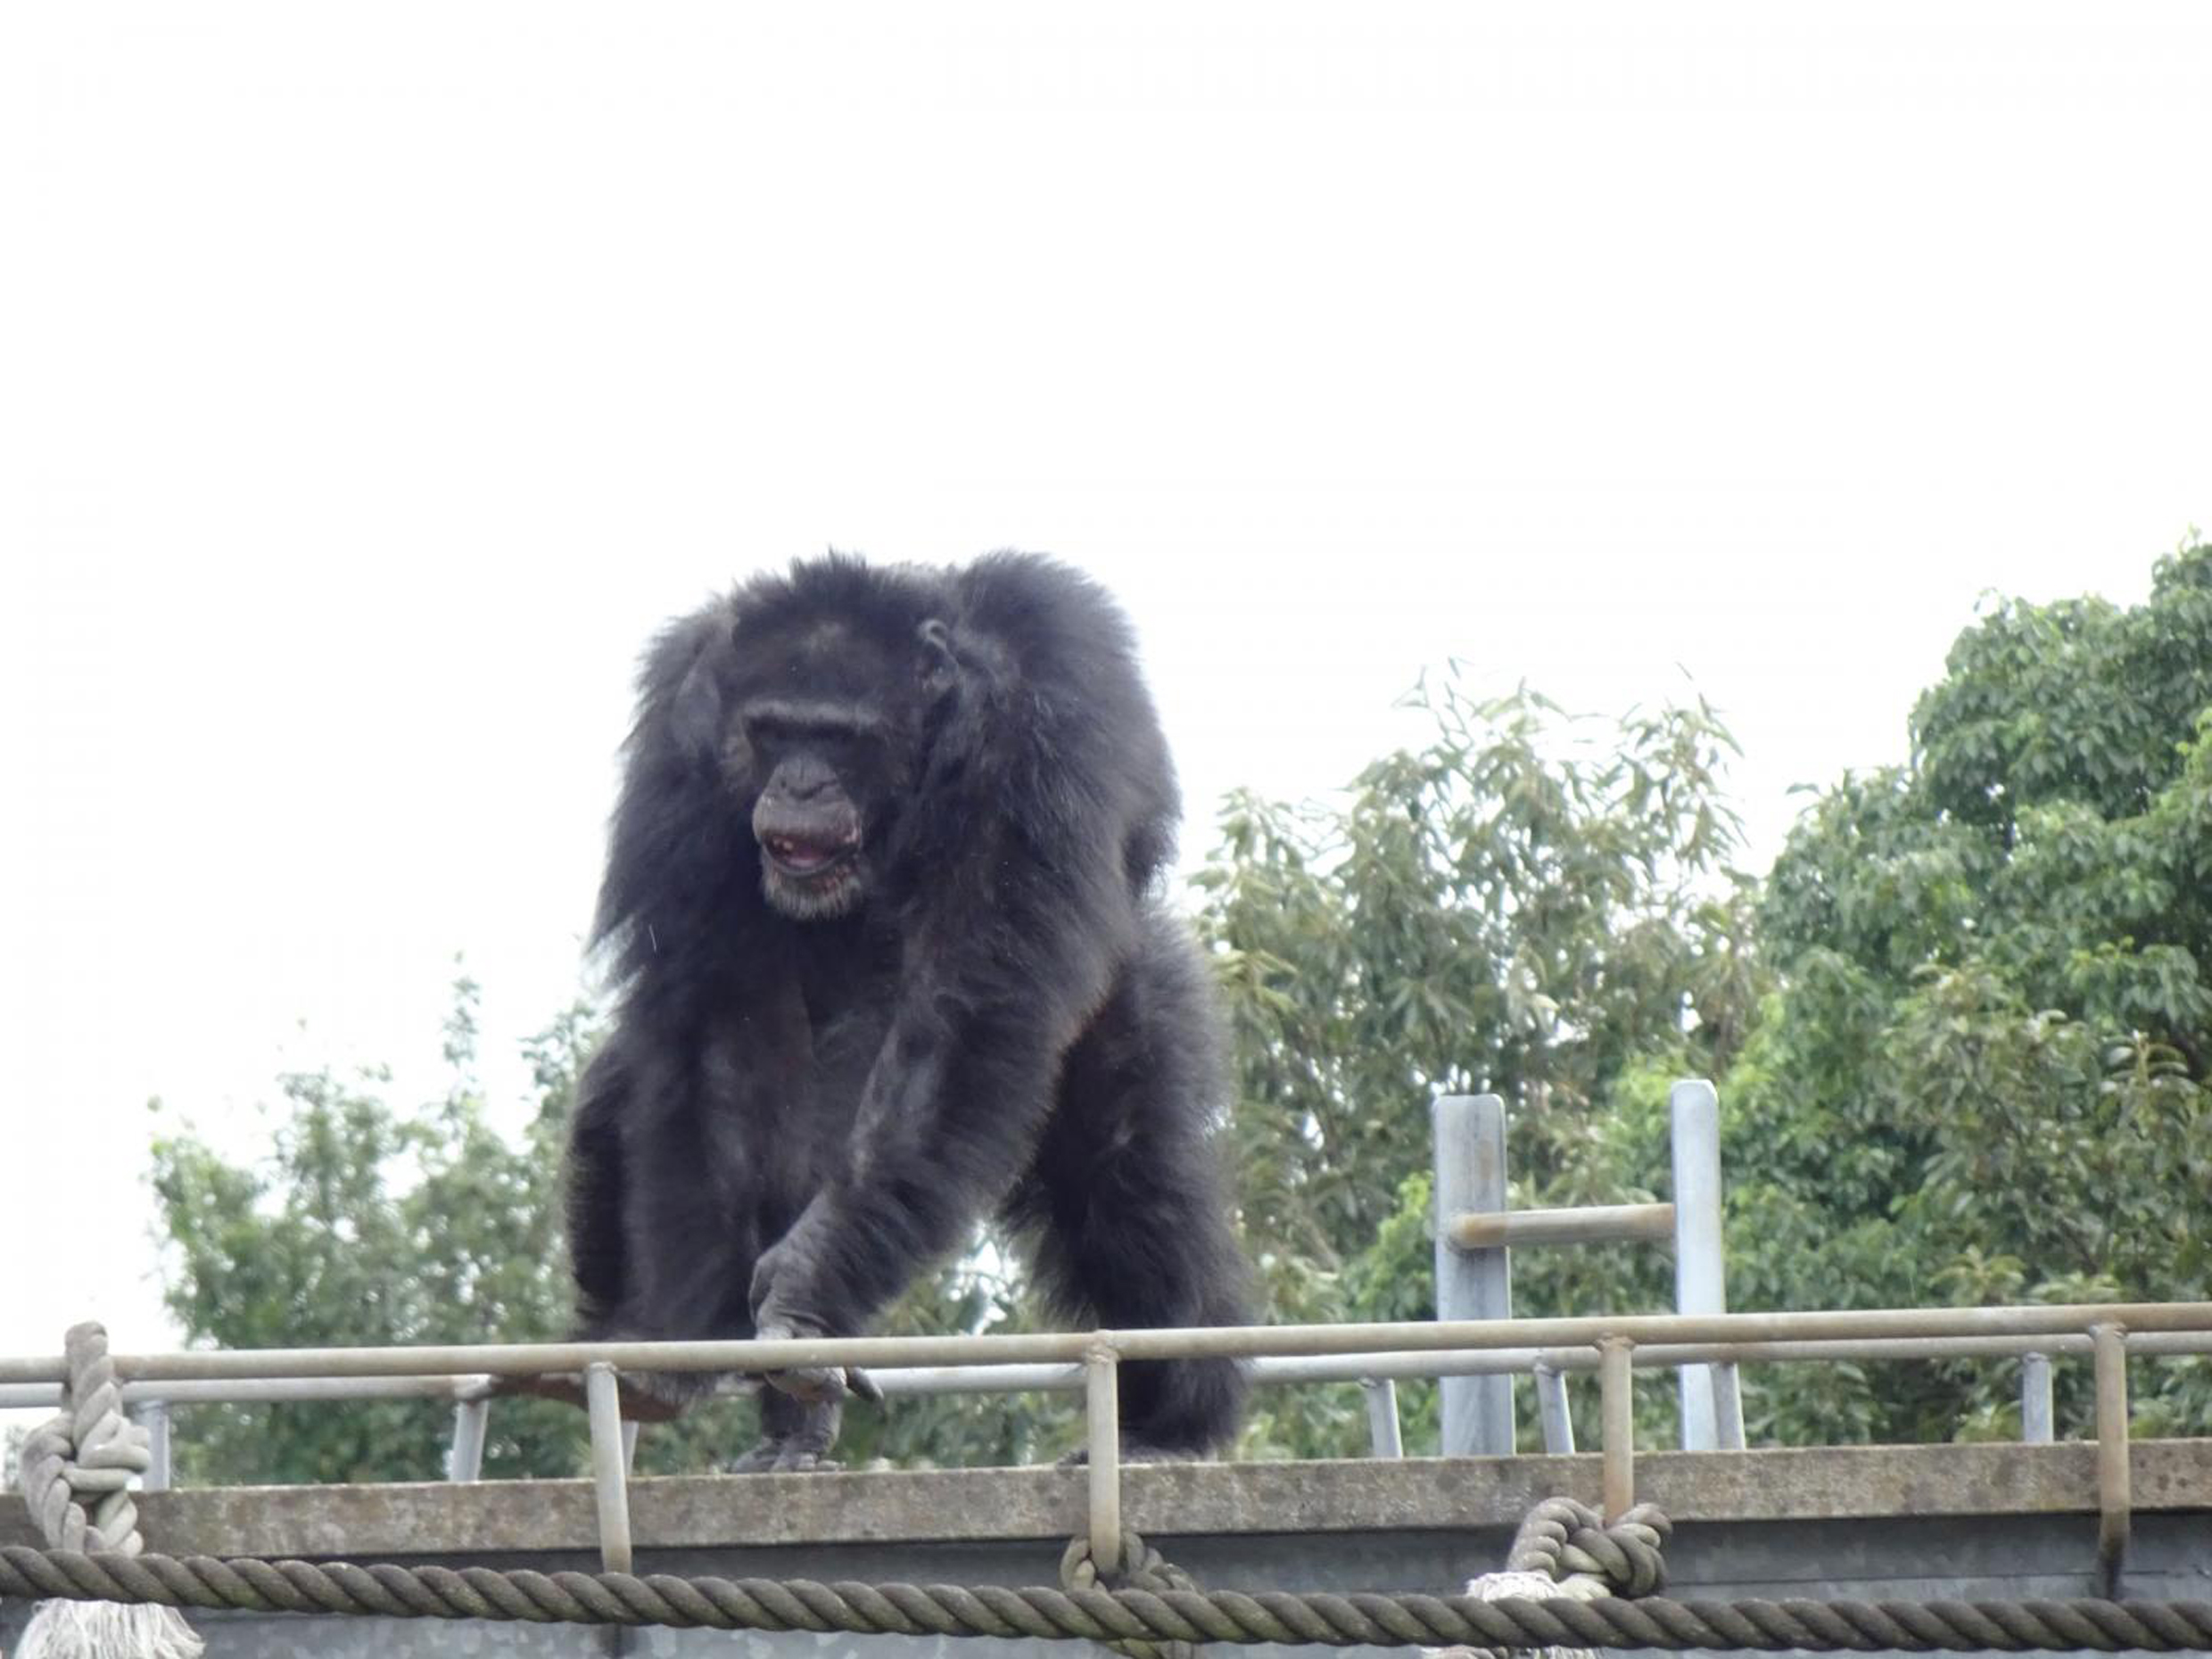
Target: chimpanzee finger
x=815 y=1384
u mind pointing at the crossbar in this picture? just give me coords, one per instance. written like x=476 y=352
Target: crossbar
x=1587 y=1224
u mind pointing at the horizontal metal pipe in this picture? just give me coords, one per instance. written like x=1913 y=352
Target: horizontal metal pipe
x=889 y=1353
x=1273 y=1370
x=1008 y=1379
x=1592 y=1224
x=917 y=1380
x=257 y=1391
x=981 y=1380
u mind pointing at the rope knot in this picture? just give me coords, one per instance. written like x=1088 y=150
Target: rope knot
x=1584 y=1557
x=1142 y=1568
x=77 y=1469
x=88 y=1452
x=1564 y=1550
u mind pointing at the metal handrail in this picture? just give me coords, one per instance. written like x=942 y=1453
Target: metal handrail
x=1172 y=1343
x=1267 y=1370
x=1614 y=1345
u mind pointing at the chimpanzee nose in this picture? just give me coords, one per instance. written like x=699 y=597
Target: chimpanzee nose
x=804 y=780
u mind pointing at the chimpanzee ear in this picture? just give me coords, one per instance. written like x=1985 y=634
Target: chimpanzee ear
x=940 y=669
x=694 y=712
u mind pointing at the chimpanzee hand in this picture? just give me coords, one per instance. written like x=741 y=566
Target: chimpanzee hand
x=778 y=1317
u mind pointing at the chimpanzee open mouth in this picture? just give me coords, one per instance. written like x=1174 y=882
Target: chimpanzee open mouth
x=807 y=858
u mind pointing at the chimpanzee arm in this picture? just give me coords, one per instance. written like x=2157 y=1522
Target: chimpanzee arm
x=950 y=1116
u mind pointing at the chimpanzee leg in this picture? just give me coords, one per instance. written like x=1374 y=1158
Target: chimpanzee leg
x=1127 y=1199
x=679 y=1165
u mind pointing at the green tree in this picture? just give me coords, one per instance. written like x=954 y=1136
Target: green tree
x=1524 y=903
x=363 y=1225
x=1985 y=1079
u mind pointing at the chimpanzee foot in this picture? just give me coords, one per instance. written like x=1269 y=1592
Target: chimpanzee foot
x=781 y=1457
x=795 y=1436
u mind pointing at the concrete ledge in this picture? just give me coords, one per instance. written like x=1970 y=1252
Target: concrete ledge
x=1189 y=1500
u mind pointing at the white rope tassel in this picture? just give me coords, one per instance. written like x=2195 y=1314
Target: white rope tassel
x=107 y=1629
x=77 y=1474
x=1550 y=1560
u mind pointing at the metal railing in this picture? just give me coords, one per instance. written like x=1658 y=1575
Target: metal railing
x=1613 y=1347
x=1476 y=1234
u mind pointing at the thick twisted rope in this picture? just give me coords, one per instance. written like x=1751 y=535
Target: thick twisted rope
x=92 y=1451
x=1104 y=1615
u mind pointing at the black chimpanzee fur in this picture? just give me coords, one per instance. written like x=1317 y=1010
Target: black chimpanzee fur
x=882 y=895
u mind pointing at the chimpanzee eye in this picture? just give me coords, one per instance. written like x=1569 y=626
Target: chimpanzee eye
x=768 y=731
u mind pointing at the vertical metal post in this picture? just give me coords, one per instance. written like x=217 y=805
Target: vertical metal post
x=1470 y=1135
x=2115 y=1497
x=630 y=1443
x=1617 y=1413
x=465 y=1459
x=154 y=1415
x=1699 y=1279
x=609 y=1478
x=1101 y=1398
x=2036 y=1422
x=1728 y=1406
x=1383 y=1437
x=1551 y=1407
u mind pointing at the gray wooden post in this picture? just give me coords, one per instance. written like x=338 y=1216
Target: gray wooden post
x=1470 y=1132
x=1699 y=1280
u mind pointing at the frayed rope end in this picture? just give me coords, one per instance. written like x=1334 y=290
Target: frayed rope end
x=107 y=1629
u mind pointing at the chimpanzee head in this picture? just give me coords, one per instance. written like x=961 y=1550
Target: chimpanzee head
x=829 y=720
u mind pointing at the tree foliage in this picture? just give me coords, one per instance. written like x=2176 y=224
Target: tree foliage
x=1985 y=1079
x=1524 y=903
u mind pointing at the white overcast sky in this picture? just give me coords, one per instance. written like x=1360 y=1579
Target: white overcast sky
x=375 y=379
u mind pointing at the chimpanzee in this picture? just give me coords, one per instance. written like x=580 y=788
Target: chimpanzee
x=883 y=901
